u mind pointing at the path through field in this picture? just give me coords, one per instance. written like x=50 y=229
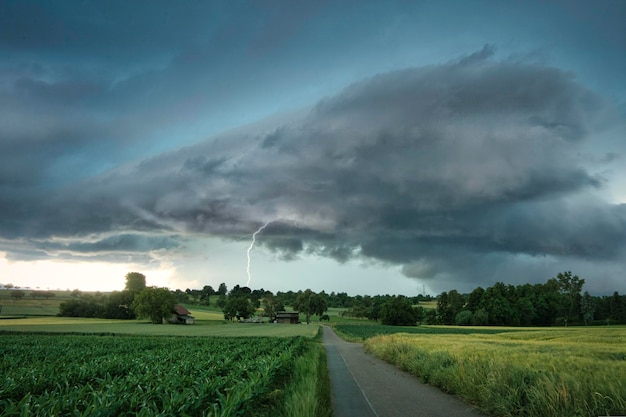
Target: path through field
x=365 y=386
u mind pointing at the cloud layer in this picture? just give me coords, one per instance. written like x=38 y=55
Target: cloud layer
x=452 y=171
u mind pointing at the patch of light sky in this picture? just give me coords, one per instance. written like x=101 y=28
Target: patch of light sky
x=86 y=276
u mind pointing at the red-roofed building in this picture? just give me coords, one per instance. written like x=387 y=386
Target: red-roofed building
x=181 y=315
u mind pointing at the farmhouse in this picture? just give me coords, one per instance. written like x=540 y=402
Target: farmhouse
x=287 y=318
x=181 y=315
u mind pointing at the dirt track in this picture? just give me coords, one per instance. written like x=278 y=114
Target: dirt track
x=363 y=386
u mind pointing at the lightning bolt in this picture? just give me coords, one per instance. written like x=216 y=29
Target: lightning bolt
x=259 y=230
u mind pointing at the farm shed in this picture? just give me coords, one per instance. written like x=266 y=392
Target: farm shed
x=181 y=315
x=287 y=318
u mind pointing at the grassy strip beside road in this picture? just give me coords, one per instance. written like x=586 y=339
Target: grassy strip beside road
x=549 y=372
x=309 y=393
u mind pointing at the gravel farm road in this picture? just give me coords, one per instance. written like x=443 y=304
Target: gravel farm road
x=364 y=386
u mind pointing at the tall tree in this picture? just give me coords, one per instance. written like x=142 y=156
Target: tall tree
x=18 y=294
x=587 y=307
x=449 y=304
x=473 y=302
x=238 y=307
x=496 y=303
x=240 y=291
x=617 y=307
x=399 y=311
x=571 y=286
x=135 y=282
x=154 y=303
x=119 y=305
x=206 y=293
x=272 y=305
x=310 y=303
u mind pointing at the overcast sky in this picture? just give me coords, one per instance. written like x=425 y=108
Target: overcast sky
x=387 y=147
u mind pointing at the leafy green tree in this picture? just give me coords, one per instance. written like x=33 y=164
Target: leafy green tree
x=571 y=286
x=444 y=312
x=497 y=302
x=206 y=293
x=420 y=314
x=238 y=291
x=375 y=305
x=525 y=311
x=398 y=311
x=18 y=294
x=238 y=307
x=135 y=282
x=547 y=300
x=272 y=305
x=449 y=304
x=310 y=303
x=222 y=289
x=360 y=307
x=617 y=307
x=464 y=318
x=119 y=305
x=288 y=297
x=154 y=303
x=181 y=296
x=86 y=306
x=480 y=317
x=473 y=301
x=587 y=307
x=221 y=301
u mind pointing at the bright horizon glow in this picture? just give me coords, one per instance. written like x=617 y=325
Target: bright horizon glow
x=85 y=276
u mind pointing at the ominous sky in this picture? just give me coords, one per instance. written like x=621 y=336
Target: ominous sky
x=388 y=147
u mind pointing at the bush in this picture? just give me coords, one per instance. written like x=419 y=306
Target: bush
x=464 y=318
x=398 y=311
x=480 y=318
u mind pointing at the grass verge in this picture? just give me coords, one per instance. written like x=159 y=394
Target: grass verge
x=577 y=372
x=308 y=395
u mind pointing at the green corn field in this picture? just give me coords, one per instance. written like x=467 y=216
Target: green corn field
x=49 y=375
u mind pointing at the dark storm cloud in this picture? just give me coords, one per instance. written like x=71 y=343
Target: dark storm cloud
x=441 y=169
x=122 y=243
x=87 y=86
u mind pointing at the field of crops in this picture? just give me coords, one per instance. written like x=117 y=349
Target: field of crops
x=145 y=376
x=29 y=307
x=361 y=332
x=73 y=325
x=550 y=372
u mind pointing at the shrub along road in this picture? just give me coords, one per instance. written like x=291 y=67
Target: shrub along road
x=365 y=386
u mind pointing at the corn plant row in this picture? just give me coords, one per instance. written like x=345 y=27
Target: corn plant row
x=144 y=376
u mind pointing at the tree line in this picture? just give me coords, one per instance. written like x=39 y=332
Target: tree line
x=559 y=301
x=556 y=302
x=19 y=294
x=135 y=301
